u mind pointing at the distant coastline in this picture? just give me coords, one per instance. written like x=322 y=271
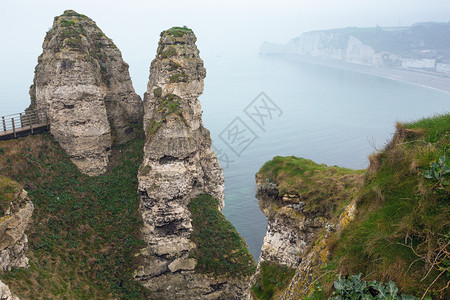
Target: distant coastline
x=426 y=79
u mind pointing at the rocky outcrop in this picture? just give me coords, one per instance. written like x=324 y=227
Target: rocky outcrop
x=5 y=293
x=289 y=229
x=178 y=166
x=310 y=268
x=84 y=86
x=16 y=210
x=299 y=199
x=13 y=222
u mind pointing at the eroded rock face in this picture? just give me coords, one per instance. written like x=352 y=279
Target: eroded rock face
x=178 y=165
x=83 y=84
x=13 y=240
x=5 y=293
x=289 y=229
x=310 y=268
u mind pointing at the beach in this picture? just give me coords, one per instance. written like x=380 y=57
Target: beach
x=426 y=79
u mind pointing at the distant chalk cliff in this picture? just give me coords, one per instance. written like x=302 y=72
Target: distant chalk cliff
x=423 y=46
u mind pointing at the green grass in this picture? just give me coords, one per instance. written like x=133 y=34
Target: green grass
x=177 y=31
x=435 y=127
x=8 y=189
x=179 y=77
x=152 y=128
x=401 y=232
x=404 y=217
x=324 y=189
x=169 y=52
x=271 y=279
x=85 y=230
x=220 y=249
x=67 y=23
x=72 y=13
x=169 y=104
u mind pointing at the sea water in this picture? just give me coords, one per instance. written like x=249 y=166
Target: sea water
x=329 y=115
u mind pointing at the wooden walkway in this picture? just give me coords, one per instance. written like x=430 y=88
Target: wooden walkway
x=23 y=124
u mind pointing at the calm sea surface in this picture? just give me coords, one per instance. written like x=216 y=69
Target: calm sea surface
x=328 y=115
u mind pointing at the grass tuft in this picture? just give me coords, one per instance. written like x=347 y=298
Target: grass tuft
x=8 y=193
x=271 y=279
x=177 y=31
x=324 y=189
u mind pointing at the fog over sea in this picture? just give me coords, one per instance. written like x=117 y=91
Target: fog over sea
x=326 y=114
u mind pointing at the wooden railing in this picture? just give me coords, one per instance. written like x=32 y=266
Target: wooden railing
x=21 y=124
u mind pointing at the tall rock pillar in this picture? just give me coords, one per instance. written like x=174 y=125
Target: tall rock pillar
x=84 y=86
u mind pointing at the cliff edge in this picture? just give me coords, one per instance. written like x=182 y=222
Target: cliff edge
x=301 y=200
x=385 y=230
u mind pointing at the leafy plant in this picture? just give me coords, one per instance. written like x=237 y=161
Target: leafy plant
x=437 y=171
x=356 y=288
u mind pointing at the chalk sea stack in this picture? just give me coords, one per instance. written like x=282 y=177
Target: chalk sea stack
x=179 y=166
x=84 y=86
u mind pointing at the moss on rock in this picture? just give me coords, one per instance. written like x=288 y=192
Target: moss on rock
x=9 y=190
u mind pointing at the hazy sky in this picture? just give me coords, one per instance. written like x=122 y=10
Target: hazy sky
x=221 y=26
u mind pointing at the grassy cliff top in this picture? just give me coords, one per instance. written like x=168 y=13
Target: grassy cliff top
x=323 y=188
x=402 y=230
x=72 y=13
x=405 y=41
x=177 y=31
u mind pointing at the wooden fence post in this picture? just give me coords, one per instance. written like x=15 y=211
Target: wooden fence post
x=14 y=127
x=4 y=123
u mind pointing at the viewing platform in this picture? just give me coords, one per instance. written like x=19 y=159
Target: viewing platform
x=23 y=124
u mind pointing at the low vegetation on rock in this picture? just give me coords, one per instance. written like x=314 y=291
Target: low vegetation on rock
x=177 y=31
x=271 y=280
x=8 y=193
x=323 y=188
x=85 y=230
x=220 y=249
